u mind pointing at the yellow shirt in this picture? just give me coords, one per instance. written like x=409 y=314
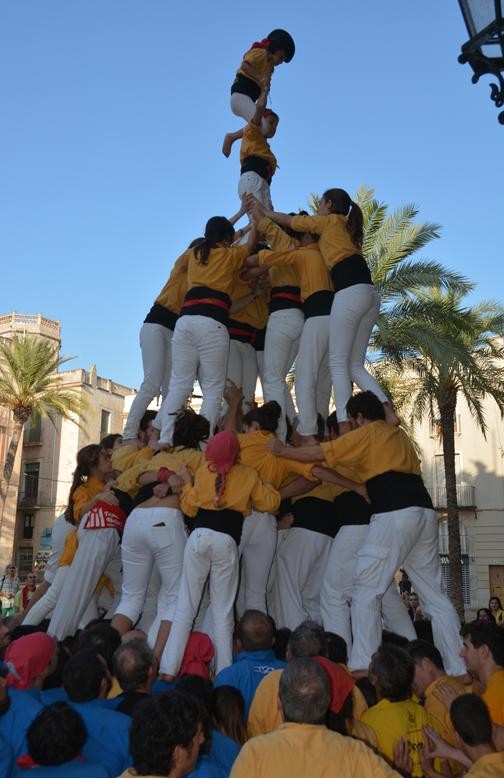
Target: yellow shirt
x=173 y=292
x=284 y=274
x=254 y=144
x=438 y=711
x=310 y=751
x=125 y=457
x=312 y=271
x=373 y=449
x=259 y=59
x=394 y=720
x=243 y=491
x=220 y=271
x=173 y=460
x=323 y=491
x=274 y=470
x=494 y=697
x=335 y=241
x=488 y=766
x=253 y=313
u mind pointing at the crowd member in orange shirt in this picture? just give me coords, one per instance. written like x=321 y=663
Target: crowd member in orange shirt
x=483 y=653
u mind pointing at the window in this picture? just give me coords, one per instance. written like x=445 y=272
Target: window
x=25 y=561
x=31 y=480
x=28 y=525
x=105 y=423
x=445 y=577
x=435 y=426
x=34 y=434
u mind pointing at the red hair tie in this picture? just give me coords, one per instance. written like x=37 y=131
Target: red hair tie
x=261 y=44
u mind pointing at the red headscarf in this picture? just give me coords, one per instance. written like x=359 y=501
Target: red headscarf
x=341 y=683
x=261 y=44
x=221 y=454
x=199 y=651
x=27 y=658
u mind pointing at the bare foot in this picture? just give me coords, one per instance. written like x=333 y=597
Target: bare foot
x=228 y=144
x=390 y=416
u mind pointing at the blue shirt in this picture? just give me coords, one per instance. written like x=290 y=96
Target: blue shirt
x=48 y=696
x=14 y=722
x=223 y=751
x=108 y=741
x=206 y=768
x=247 y=672
x=6 y=759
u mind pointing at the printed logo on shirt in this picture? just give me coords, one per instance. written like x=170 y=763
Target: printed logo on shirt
x=263 y=669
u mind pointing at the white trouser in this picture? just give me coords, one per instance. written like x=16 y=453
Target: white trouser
x=214 y=554
x=149 y=622
x=243 y=105
x=200 y=347
x=406 y=538
x=353 y=316
x=270 y=589
x=47 y=603
x=242 y=370
x=300 y=563
x=313 y=377
x=253 y=183
x=336 y=591
x=257 y=549
x=280 y=349
x=152 y=536
x=98 y=553
x=155 y=342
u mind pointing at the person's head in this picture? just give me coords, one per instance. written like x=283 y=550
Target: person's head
x=92 y=461
x=221 y=454
x=305 y=692
x=85 y=676
x=57 y=735
x=336 y=648
x=471 y=721
x=228 y=713
x=145 y=426
x=166 y=734
x=338 y=201
x=483 y=647
x=201 y=689
x=265 y=417
x=10 y=571
x=191 y=429
x=281 y=46
x=219 y=232
x=270 y=123
x=332 y=425
x=102 y=637
x=392 y=638
x=365 y=406
x=308 y=639
x=31 y=581
x=110 y=442
x=255 y=631
x=391 y=672
x=428 y=664
x=413 y=600
x=485 y=614
x=30 y=660
x=494 y=604
x=134 y=665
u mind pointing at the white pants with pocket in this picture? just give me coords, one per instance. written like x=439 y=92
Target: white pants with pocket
x=200 y=348
x=152 y=537
x=207 y=553
x=353 y=316
x=155 y=342
x=242 y=370
x=257 y=550
x=313 y=377
x=283 y=334
x=406 y=538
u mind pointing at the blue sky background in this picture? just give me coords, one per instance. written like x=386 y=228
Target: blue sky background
x=112 y=118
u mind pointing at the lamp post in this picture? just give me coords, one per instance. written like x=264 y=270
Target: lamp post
x=484 y=51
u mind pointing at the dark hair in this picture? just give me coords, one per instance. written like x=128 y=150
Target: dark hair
x=336 y=648
x=308 y=639
x=228 y=713
x=394 y=671
x=487 y=612
x=56 y=735
x=305 y=692
x=267 y=416
x=471 y=720
x=109 y=440
x=332 y=423
x=190 y=429
x=494 y=597
x=255 y=631
x=83 y=675
x=422 y=649
x=486 y=633
x=281 y=40
x=282 y=637
x=103 y=638
x=393 y=639
x=195 y=242
x=217 y=229
x=366 y=403
x=159 y=725
x=342 y=203
x=131 y=664
x=87 y=458
x=146 y=419
x=201 y=689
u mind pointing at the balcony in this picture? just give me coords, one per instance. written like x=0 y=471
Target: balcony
x=466 y=497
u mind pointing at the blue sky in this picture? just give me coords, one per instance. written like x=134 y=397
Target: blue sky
x=113 y=113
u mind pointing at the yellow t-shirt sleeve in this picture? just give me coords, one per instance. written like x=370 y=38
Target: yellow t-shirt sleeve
x=275 y=236
x=316 y=224
x=349 y=449
x=265 y=497
x=273 y=258
x=189 y=501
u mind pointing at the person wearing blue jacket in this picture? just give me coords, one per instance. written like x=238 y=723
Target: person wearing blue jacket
x=17 y=711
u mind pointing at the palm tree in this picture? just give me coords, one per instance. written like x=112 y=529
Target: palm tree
x=29 y=383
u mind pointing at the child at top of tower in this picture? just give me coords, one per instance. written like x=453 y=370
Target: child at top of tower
x=254 y=75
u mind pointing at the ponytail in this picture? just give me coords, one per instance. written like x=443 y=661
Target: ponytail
x=87 y=458
x=342 y=203
x=217 y=229
x=220 y=485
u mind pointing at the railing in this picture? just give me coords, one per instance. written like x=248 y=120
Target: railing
x=466 y=496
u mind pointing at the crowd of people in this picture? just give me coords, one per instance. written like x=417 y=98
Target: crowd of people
x=221 y=596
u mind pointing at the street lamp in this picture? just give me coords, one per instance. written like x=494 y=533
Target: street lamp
x=484 y=51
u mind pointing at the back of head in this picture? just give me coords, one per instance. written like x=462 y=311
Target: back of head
x=132 y=663
x=255 y=631
x=103 y=638
x=393 y=639
x=57 y=735
x=266 y=416
x=83 y=676
x=367 y=404
x=308 y=639
x=305 y=692
x=191 y=429
x=392 y=671
x=471 y=720
x=489 y=634
x=342 y=203
x=28 y=657
x=336 y=648
x=146 y=419
x=228 y=713
x=281 y=39
x=160 y=724
x=422 y=649
x=87 y=458
x=218 y=230
x=109 y=441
